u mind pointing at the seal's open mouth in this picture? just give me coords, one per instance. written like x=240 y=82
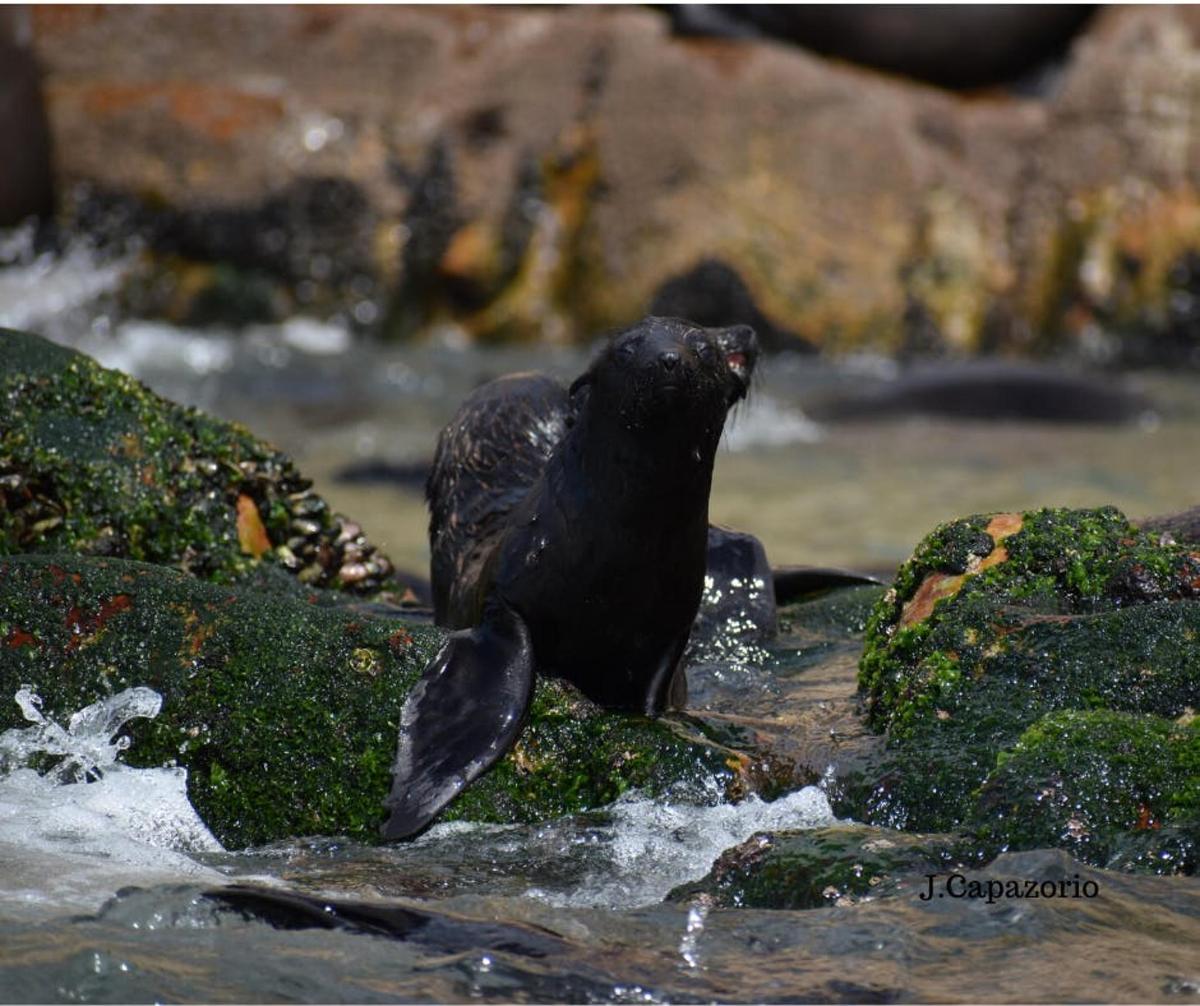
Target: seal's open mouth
x=740 y=350
x=738 y=366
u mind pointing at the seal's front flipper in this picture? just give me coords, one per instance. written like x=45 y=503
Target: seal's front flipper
x=464 y=713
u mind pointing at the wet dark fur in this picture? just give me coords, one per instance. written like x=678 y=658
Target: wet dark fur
x=487 y=459
x=586 y=512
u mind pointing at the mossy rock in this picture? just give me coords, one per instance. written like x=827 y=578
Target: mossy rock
x=284 y=712
x=840 y=613
x=574 y=756
x=284 y=708
x=823 y=866
x=1000 y=620
x=1100 y=784
x=93 y=462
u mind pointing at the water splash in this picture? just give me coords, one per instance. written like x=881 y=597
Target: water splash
x=86 y=801
x=38 y=287
x=88 y=746
x=652 y=846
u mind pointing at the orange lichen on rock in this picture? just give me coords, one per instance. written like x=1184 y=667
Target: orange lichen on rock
x=218 y=112
x=933 y=588
x=937 y=586
x=1004 y=524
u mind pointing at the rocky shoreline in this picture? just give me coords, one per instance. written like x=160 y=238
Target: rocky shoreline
x=539 y=174
x=1029 y=680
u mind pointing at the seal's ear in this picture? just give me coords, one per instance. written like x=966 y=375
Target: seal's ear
x=577 y=395
x=460 y=718
x=580 y=383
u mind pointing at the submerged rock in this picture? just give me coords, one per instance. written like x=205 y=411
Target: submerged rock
x=824 y=866
x=1030 y=670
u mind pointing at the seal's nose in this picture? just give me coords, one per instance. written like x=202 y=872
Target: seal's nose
x=668 y=359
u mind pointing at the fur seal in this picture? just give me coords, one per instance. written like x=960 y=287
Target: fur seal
x=958 y=47
x=989 y=390
x=569 y=533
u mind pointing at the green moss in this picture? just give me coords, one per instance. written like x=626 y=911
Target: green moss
x=1060 y=565
x=1090 y=780
x=92 y=462
x=264 y=701
x=1068 y=610
x=810 y=869
x=284 y=708
x=573 y=756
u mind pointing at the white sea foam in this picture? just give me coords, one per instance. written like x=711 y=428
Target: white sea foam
x=87 y=825
x=766 y=422
x=35 y=288
x=146 y=348
x=653 y=846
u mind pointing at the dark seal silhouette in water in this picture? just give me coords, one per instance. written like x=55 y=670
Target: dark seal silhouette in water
x=963 y=46
x=569 y=533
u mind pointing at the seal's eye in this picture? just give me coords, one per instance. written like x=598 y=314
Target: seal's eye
x=627 y=350
x=703 y=349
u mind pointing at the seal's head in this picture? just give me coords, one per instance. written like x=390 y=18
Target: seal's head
x=667 y=372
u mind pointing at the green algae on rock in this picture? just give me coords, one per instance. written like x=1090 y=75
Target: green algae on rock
x=283 y=712
x=1000 y=621
x=823 y=866
x=1099 y=783
x=573 y=756
x=284 y=708
x=92 y=462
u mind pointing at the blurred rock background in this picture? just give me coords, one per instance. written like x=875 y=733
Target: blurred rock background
x=483 y=174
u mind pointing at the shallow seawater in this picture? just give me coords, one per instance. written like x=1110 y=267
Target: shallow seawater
x=106 y=887
x=95 y=906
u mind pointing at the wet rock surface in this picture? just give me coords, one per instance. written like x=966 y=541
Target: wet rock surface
x=820 y=867
x=523 y=174
x=1037 y=676
x=282 y=711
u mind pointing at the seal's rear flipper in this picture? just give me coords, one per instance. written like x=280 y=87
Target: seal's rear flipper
x=793 y=583
x=464 y=713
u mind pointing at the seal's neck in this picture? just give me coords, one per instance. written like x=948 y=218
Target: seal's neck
x=664 y=466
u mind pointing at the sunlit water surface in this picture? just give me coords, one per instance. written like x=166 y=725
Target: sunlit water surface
x=102 y=883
